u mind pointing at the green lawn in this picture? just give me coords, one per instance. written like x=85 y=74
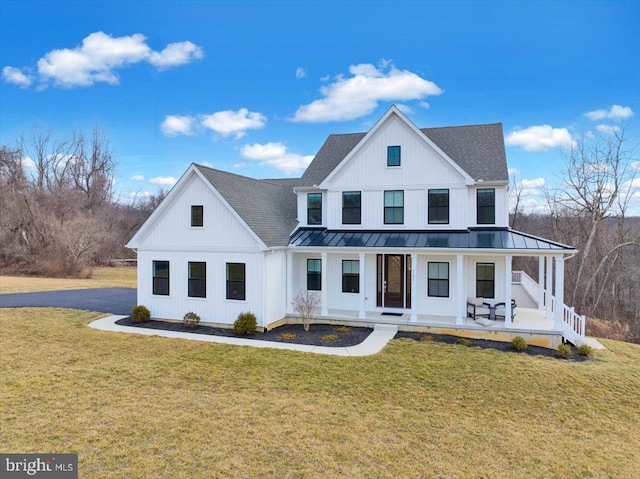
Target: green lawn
x=139 y=407
x=100 y=278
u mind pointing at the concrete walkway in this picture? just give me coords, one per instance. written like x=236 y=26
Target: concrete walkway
x=378 y=339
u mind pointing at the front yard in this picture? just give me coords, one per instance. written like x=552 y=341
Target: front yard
x=100 y=278
x=138 y=407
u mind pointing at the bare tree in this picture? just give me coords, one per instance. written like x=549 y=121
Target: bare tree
x=305 y=304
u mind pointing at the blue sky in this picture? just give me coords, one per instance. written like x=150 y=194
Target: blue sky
x=255 y=87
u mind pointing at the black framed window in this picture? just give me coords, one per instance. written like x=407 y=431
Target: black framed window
x=350 y=276
x=197 y=215
x=486 y=206
x=485 y=280
x=439 y=207
x=314 y=274
x=161 y=278
x=236 y=274
x=351 y=213
x=438 y=279
x=393 y=156
x=314 y=208
x=394 y=207
x=197 y=280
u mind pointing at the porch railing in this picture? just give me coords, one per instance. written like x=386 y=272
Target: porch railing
x=573 y=324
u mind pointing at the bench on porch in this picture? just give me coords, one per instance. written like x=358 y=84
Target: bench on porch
x=500 y=309
x=476 y=308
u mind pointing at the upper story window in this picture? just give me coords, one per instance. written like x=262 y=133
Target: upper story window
x=486 y=203
x=393 y=156
x=236 y=281
x=394 y=207
x=197 y=287
x=197 y=215
x=161 y=278
x=314 y=208
x=351 y=213
x=439 y=207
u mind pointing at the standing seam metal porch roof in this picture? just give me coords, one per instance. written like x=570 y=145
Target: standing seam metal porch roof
x=494 y=238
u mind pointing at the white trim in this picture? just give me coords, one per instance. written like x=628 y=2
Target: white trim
x=200 y=249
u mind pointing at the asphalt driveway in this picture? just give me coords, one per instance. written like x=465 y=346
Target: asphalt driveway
x=103 y=300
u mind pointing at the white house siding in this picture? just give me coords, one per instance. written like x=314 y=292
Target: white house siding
x=302 y=208
x=215 y=308
x=502 y=205
x=275 y=284
x=470 y=268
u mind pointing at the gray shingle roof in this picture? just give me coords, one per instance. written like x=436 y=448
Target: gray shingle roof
x=267 y=206
x=477 y=149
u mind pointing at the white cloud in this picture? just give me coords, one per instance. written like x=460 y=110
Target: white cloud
x=607 y=129
x=233 y=122
x=163 y=181
x=27 y=162
x=17 y=77
x=98 y=58
x=535 y=183
x=137 y=178
x=178 y=125
x=359 y=95
x=540 y=138
x=513 y=171
x=325 y=78
x=301 y=73
x=424 y=105
x=615 y=112
x=406 y=109
x=276 y=155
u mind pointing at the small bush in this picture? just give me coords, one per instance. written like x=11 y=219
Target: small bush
x=246 y=324
x=287 y=336
x=465 y=342
x=140 y=314
x=518 y=343
x=585 y=350
x=343 y=329
x=565 y=351
x=191 y=319
x=426 y=337
x=329 y=337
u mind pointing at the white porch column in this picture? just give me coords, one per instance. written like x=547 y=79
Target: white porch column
x=323 y=285
x=559 y=292
x=289 y=305
x=549 y=288
x=362 y=314
x=414 y=290
x=508 y=261
x=541 y=283
x=461 y=300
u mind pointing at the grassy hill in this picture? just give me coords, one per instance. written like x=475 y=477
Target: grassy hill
x=139 y=407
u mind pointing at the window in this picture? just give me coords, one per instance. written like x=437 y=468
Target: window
x=197 y=216
x=236 y=281
x=350 y=276
x=439 y=207
x=197 y=280
x=393 y=156
x=486 y=206
x=485 y=280
x=314 y=209
x=314 y=274
x=161 y=278
x=438 y=274
x=393 y=207
x=351 y=208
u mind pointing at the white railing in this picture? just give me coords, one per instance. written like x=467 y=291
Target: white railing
x=527 y=283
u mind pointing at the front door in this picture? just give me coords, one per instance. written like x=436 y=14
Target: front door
x=394 y=281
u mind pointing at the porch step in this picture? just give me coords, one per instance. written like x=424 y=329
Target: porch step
x=386 y=327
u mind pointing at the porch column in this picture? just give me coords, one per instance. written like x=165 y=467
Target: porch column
x=323 y=285
x=289 y=305
x=541 y=283
x=414 y=290
x=508 y=261
x=361 y=314
x=559 y=292
x=461 y=300
x=549 y=288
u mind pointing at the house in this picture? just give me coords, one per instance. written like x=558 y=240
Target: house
x=398 y=225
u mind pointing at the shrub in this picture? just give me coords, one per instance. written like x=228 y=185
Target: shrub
x=287 y=336
x=343 y=329
x=465 y=342
x=140 y=314
x=565 y=351
x=329 y=337
x=585 y=350
x=245 y=324
x=426 y=337
x=191 y=319
x=518 y=343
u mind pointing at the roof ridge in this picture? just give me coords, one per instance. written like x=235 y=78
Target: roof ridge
x=267 y=181
x=460 y=126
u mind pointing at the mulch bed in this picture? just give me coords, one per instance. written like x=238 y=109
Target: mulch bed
x=488 y=344
x=313 y=337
